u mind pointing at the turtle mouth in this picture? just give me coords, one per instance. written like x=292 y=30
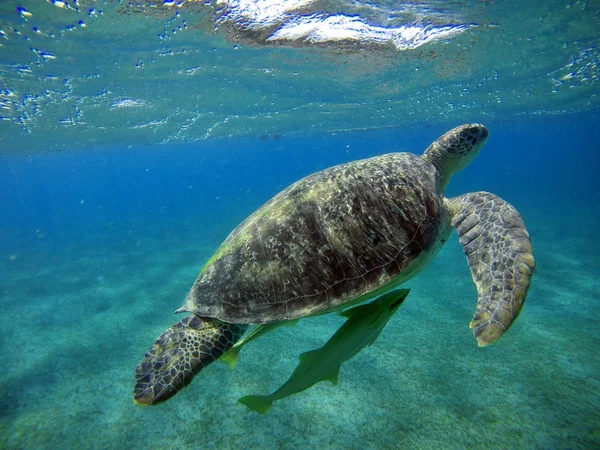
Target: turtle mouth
x=483 y=132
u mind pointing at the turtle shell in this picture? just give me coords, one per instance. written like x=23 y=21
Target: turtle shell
x=326 y=240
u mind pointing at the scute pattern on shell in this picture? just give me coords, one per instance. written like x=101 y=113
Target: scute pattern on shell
x=324 y=241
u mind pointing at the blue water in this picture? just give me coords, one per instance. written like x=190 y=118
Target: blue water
x=134 y=136
x=98 y=247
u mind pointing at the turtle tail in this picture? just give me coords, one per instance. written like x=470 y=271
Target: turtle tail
x=179 y=354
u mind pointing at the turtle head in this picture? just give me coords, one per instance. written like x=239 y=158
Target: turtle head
x=456 y=149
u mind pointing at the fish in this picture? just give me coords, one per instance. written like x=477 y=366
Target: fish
x=364 y=325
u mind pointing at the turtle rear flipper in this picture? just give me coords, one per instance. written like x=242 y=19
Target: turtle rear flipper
x=179 y=354
x=499 y=253
x=231 y=357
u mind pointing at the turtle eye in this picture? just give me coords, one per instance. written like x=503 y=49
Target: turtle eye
x=470 y=138
x=475 y=133
x=473 y=130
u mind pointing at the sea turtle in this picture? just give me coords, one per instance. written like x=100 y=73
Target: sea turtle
x=340 y=237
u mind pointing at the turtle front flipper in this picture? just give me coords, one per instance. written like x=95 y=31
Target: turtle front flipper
x=499 y=253
x=179 y=354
